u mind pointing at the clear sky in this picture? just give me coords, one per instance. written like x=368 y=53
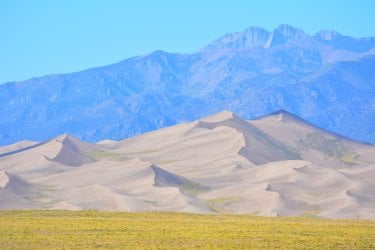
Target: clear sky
x=39 y=37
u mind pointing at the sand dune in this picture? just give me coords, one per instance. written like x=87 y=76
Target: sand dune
x=13 y=183
x=312 y=143
x=277 y=165
x=69 y=151
x=4 y=179
x=16 y=193
x=16 y=147
x=131 y=185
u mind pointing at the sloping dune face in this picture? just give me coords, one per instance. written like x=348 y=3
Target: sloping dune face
x=16 y=193
x=277 y=165
x=4 y=179
x=19 y=146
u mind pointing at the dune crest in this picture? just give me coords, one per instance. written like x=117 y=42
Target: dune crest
x=16 y=147
x=221 y=116
x=69 y=151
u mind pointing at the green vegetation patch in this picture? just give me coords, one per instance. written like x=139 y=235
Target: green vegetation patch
x=350 y=159
x=193 y=188
x=120 y=230
x=290 y=152
x=331 y=147
x=219 y=204
x=313 y=210
x=102 y=155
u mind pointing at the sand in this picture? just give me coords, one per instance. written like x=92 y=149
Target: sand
x=277 y=165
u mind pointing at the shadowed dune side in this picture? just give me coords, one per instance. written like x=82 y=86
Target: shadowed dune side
x=311 y=143
x=16 y=193
x=70 y=151
x=259 y=147
x=53 y=156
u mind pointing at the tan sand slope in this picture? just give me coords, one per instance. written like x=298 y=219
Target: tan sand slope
x=277 y=165
x=18 y=146
x=310 y=142
x=16 y=193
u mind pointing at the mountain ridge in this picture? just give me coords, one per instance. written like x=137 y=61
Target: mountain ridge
x=312 y=78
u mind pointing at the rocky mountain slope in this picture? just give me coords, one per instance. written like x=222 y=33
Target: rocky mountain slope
x=327 y=79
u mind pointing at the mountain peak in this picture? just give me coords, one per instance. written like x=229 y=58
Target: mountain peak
x=285 y=33
x=327 y=35
x=251 y=37
x=288 y=29
x=257 y=37
x=343 y=42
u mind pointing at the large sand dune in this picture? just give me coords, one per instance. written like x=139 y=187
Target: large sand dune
x=277 y=165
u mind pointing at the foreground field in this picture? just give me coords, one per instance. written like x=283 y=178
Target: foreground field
x=114 y=230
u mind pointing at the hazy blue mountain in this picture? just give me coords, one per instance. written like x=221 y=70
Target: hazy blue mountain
x=339 y=41
x=327 y=79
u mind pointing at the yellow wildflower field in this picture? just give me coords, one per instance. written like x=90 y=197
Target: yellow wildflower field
x=158 y=230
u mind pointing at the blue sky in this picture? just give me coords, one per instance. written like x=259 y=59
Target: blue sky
x=45 y=37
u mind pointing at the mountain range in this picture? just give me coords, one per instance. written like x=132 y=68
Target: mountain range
x=327 y=79
x=276 y=165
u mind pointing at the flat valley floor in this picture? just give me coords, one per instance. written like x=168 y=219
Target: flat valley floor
x=38 y=229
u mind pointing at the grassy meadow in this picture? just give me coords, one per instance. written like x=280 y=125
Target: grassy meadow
x=121 y=230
